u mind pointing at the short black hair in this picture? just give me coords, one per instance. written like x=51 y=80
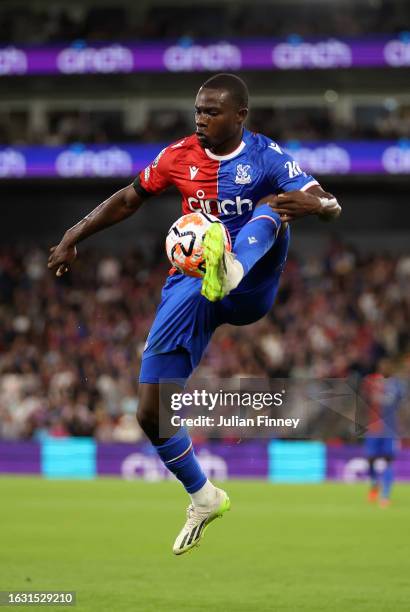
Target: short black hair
x=231 y=83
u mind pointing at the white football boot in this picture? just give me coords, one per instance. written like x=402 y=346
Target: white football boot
x=198 y=519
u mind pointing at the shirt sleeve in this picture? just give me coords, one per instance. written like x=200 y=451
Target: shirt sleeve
x=156 y=177
x=285 y=174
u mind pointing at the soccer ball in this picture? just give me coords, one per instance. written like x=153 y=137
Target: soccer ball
x=184 y=242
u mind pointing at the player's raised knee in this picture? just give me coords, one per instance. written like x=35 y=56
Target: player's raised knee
x=264 y=211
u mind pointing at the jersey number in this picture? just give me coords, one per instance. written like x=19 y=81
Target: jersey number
x=293 y=168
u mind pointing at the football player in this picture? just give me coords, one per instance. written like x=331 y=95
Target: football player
x=224 y=170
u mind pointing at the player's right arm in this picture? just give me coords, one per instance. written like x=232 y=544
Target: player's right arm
x=116 y=208
x=122 y=204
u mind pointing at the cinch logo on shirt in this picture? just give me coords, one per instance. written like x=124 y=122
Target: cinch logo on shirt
x=224 y=207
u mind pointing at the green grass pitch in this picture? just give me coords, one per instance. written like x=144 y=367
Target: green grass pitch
x=282 y=547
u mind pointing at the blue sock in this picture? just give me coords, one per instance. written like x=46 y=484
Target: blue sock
x=178 y=456
x=373 y=474
x=257 y=236
x=387 y=481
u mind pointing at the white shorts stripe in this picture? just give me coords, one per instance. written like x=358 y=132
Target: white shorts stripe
x=264 y=217
x=270 y=219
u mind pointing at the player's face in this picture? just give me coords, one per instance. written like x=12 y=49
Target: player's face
x=385 y=368
x=218 y=120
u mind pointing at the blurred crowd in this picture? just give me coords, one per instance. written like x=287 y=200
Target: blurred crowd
x=70 y=348
x=39 y=24
x=385 y=121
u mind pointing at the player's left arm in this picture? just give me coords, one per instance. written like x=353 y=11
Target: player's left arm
x=298 y=193
x=294 y=204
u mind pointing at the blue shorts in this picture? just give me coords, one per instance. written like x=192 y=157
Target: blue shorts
x=380 y=447
x=174 y=366
x=185 y=320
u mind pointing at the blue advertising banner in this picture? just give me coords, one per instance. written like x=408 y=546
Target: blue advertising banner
x=69 y=458
x=124 y=160
x=277 y=461
x=186 y=55
x=219 y=460
x=297 y=461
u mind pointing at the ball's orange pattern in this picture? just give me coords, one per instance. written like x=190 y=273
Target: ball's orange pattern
x=184 y=243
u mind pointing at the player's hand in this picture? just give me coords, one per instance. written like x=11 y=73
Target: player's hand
x=293 y=204
x=61 y=256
